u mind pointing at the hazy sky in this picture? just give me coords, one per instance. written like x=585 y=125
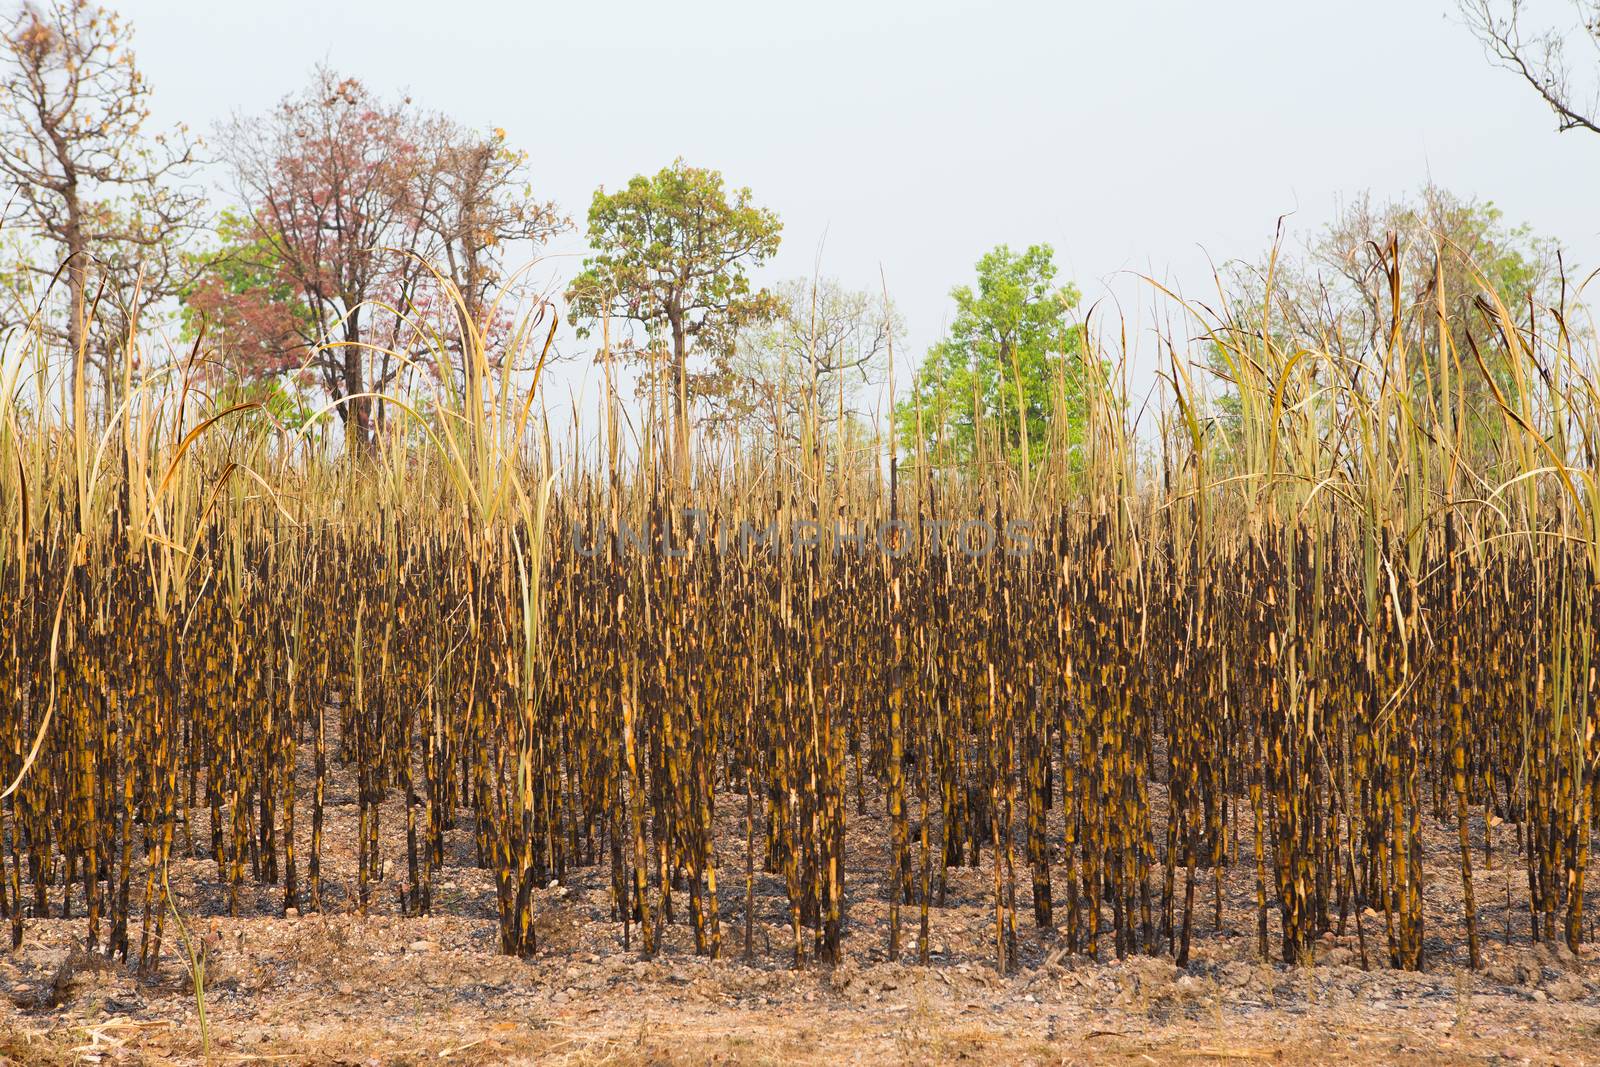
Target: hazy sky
x=1132 y=135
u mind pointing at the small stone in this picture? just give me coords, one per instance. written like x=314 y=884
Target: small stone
x=1569 y=988
x=1236 y=974
x=291 y=913
x=1503 y=973
x=422 y=946
x=1540 y=996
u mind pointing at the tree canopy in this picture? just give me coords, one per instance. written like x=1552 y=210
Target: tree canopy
x=349 y=199
x=807 y=365
x=672 y=253
x=1012 y=352
x=1331 y=289
x=85 y=175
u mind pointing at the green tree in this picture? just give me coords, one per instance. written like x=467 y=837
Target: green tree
x=672 y=254
x=1013 y=350
x=257 y=331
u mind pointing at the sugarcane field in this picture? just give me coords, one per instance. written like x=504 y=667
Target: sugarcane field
x=1110 y=589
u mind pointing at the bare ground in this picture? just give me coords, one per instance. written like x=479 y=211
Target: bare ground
x=342 y=988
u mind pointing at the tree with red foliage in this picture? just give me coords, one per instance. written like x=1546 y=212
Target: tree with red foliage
x=326 y=177
x=350 y=198
x=247 y=306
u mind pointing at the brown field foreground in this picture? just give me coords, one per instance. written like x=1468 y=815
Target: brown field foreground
x=342 y=988
x=346 y=991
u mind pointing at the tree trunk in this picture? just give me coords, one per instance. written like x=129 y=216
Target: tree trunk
x=355 y=410
x=680 y=399
x=473 y=227
x=77 y=286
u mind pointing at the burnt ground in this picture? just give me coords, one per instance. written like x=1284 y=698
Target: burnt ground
x=342 y=988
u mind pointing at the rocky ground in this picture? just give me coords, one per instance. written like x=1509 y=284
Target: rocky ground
x=342 y=988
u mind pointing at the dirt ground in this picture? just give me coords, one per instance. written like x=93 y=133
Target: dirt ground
x=342 y=988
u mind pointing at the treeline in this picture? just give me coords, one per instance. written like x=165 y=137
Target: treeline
x=369 y=246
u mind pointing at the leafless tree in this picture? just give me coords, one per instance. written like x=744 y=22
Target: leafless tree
x=808 y=364
x=1455 y=256
x=475 y=199
x=84 y=177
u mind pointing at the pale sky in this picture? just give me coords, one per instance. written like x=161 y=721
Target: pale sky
x=1133 y=135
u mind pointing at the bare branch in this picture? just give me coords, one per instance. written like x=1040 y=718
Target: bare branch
x=1540 y=58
